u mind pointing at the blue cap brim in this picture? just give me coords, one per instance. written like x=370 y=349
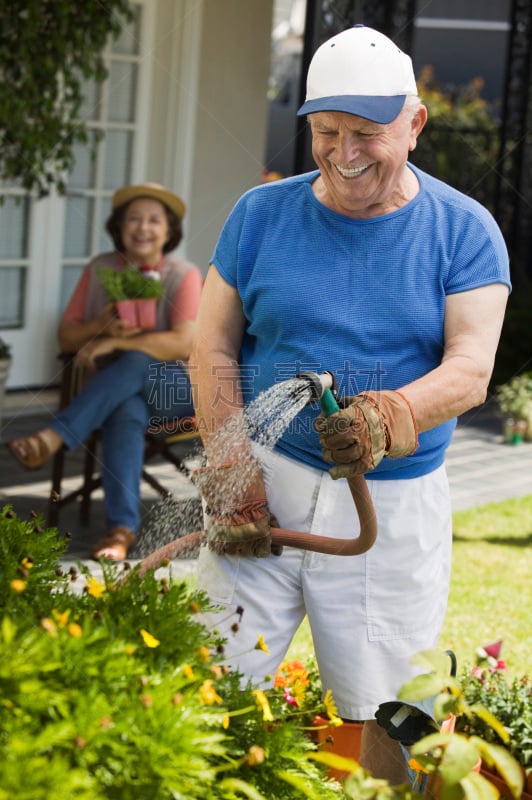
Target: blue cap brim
x=376 y=109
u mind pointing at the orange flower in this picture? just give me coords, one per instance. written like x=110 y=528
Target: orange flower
x=290 y=673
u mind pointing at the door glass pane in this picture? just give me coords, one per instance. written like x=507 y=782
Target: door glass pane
x=79 y=211
x=83 y=174
x=122 y=85
x=128 y=41
x=12 y=284
x=14 y=221
x=117 y=158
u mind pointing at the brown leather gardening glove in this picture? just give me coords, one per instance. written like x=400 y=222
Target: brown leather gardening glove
x=238 y=518
x=370 y=426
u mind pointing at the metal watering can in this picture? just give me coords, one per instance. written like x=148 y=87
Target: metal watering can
x=323 y=389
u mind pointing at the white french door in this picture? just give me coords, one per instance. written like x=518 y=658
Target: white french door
x=44 y=244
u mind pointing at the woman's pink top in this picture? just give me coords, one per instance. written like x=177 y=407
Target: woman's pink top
x=182 y=281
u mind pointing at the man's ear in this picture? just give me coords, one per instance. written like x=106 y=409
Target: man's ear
x=416 y=126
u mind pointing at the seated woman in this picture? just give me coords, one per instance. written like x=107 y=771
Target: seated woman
x=142 y=374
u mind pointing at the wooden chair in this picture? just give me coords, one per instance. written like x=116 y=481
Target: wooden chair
x=157 y=444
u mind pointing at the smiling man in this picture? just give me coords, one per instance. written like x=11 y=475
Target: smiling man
x=397 y=283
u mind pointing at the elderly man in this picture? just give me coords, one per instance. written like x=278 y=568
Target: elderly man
x=397 y=283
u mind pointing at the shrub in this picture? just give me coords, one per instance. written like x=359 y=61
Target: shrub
x=120 y=692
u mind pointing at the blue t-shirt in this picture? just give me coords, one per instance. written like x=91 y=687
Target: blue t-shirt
x=364 y=298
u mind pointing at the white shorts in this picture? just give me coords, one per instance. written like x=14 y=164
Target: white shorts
x=368 y=614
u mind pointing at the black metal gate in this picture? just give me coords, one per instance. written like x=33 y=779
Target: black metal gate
x=506 y=188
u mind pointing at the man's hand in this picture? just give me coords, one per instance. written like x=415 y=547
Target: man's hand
x=370 y=426
x=238 y=519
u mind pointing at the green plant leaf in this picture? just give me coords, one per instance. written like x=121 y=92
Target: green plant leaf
x=433 y=661
x=500 y=759
x=490 y=719
x=459 y=758
x=476 y=787
x=420 y=688
x=241 y=787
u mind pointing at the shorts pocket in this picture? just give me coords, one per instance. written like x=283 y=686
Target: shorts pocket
x=217 y=576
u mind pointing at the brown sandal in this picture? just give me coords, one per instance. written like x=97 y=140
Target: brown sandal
x=115 y=545
x=31 y=451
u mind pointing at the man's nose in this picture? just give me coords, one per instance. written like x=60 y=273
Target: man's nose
x=349 y=147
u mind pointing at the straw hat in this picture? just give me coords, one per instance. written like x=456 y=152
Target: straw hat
x=155 y=190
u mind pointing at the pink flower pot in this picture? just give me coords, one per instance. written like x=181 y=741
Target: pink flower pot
x=138 y=313
x=146 y=314
x=127 y=311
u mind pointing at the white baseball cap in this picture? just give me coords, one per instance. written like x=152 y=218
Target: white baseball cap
x=359 y=71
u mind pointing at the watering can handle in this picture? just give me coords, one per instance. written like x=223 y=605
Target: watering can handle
x=363 y=504
x=288 y=538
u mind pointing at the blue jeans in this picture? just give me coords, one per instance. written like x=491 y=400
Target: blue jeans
x=123 y=399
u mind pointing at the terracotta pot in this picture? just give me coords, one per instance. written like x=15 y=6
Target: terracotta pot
x=502 y=787
x=139 y=313
x=344 y=740
x=127 y=311
x=146 y=314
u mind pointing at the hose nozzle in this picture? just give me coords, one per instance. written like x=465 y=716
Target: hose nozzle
x=323 y=388
x=318 y=383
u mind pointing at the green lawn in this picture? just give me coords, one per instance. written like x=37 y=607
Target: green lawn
x=491 y=586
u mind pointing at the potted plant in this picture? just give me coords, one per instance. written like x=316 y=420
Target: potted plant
x=5 y=365
x=510 y=701
x=302 y=688
x=515 y=402
x=135 y=292
x=453 y=756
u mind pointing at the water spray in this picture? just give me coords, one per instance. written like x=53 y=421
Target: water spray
x=321 y=388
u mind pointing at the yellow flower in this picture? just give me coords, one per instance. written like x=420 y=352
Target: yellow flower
x=256 y=756
x=148 y=639
x=188 y=672
x=263 y=705
x=61 y=619
x=225 y=722
x=75 y=630
x=18 y=585
x=49 y=626
x=27 y=563
x=95 y=587
x=261 y=644
x=332 y=711
x=203 y=654
x=208 y=694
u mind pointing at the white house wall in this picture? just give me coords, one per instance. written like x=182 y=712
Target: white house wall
x=210 y=77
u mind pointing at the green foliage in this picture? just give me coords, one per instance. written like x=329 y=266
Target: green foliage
x=128 y=284
x=460 y=141
x=119 y=691
x=452 y=756
x=48 y=49
x=515 y=396
x=510 y=702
